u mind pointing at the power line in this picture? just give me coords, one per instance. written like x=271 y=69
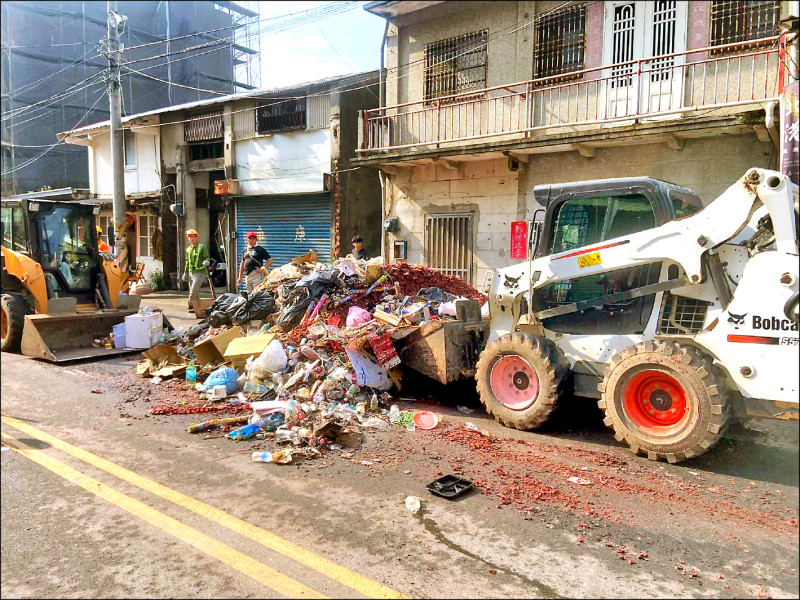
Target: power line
x=226 y=28
x=68 y=92
x=498 y=35
x=188 y=87
x=61 y=141
x=326 y=11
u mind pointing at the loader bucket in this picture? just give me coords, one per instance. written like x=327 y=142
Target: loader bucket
x=61 y=337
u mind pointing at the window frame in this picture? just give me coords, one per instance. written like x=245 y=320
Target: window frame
x=475 y=91
x=558 y=20
x=261 y=107
x=744 y=45
x=128 y=133
x=147 y=232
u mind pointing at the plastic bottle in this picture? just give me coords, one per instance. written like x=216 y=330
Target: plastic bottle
x=191 y=374
x=394 y=414
x=373 y=403
x=265 y=457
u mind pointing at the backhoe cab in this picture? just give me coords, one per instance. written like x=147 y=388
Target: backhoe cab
x=58 y=292
x=670 y=314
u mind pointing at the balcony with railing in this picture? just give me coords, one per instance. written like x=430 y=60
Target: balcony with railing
x=694 y=83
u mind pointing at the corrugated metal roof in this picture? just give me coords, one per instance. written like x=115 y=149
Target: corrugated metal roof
x=221 y=100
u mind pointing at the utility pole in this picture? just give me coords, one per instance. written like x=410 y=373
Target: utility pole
x=115 y=21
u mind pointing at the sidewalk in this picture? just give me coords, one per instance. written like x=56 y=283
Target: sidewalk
x=174 y=305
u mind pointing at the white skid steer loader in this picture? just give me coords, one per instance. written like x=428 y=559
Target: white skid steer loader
x=672 y=315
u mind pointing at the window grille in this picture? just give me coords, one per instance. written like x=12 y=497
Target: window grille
x=664 y=16
x=456 y=65
x=203 y=127
x=622 y=30
x=561 y=42
x=681 y=316
x=281 y=115
x=448 y=244
x=735 y=21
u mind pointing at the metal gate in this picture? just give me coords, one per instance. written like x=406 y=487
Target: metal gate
x=448 y=244
x=287 y=226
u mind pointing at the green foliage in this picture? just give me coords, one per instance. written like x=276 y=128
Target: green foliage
x=156 y=281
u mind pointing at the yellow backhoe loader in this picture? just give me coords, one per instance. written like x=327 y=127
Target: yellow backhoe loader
x=59 y=293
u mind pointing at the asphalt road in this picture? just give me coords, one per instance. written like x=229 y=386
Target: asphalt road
x=102 y=500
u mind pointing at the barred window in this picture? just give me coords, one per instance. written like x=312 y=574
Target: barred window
x=741 y=21
x=456 y=65
x=281 y=115
x=561 y=42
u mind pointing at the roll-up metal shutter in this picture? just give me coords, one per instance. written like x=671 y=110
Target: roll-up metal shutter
x=288 y=226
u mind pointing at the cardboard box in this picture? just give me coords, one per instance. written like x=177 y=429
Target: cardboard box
x=200 y=305
x=242 y=348
x=212 y=349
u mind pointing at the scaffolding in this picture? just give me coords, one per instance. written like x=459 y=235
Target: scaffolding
x=49 y=53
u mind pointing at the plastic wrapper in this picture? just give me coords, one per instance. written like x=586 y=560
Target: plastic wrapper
x=357 y=316
x=319 y=282
x=257 y=307
x=435 y=294
x=223 y=376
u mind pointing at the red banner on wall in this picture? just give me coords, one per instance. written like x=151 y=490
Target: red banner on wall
x=519 y=240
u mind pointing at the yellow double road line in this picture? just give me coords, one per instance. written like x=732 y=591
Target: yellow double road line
x=225 y=554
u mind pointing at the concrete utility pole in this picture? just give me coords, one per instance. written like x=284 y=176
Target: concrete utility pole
x=115 y=21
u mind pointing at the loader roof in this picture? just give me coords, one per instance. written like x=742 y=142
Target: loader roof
x=545 y=193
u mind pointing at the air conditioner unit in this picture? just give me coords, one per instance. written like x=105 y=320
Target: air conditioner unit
x=226 y=187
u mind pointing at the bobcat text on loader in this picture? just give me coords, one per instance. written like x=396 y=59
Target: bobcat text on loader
x=59 y=293
x=672 y=315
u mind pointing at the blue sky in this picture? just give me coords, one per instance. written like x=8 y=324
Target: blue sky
x=302 y=54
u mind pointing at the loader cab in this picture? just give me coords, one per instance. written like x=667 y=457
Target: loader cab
x=588 y=213
x=61 y=237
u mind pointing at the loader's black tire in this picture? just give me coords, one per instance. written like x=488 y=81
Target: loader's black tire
x=14 y=309
x=666 y=401
x=543 y=360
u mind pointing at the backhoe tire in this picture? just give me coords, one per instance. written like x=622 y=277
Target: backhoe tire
x=664 y=400
x=14 y=309
x=520 y=377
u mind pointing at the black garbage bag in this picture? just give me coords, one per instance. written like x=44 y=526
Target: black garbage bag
x=294 y=309
x=320 y=282
x=223 y=308
x=435 y=294
x=257 y=307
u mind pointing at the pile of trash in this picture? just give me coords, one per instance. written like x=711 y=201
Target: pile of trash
x=309 y=354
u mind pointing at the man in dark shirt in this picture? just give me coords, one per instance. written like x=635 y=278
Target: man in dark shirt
x=255 y=263
x=358 y=249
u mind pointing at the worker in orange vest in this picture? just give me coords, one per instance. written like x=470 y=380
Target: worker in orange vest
x=101 y=245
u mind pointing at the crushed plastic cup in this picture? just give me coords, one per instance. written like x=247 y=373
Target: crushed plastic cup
x=413 y=504
x=579 y=480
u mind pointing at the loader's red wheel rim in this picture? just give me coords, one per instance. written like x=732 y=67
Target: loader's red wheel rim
x=514 y=382
x=3 y=324
x=655 y=403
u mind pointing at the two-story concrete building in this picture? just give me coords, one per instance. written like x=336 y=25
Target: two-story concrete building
x=485 y=100
x=277 y=162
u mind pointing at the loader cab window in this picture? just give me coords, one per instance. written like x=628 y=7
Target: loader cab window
x=66 y=240
x=590 y=220
x=14 y=235
x=585 y=221
x=684 y=204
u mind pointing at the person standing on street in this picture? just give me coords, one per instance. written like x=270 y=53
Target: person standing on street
x=195 y=270
x=101 y=245
x=358 y=248
x=255 y=263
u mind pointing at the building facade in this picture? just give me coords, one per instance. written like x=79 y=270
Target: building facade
x=52 y=73
x=485 y=100
x=275 y=162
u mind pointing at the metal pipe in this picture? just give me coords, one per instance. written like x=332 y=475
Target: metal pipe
x=380 y=71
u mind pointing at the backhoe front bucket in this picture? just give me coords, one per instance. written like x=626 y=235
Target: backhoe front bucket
x=61 y=337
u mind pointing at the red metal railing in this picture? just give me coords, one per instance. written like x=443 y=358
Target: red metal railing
x=658 y=87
